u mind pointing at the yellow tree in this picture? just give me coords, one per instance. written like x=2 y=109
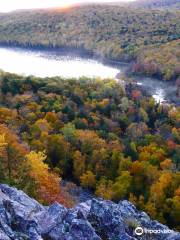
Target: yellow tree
x=48 y=183
x=158 y=192
x=104 y=189
x=12 y=157
x=88 y=180
x=3 y=155
x=78 y=164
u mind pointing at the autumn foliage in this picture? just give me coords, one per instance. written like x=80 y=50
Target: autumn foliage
x=48 y=183
x=27 y=170
x=113 y=140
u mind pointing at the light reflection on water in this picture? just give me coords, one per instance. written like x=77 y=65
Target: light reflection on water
x=161 y=91
x=51 y=63
x=158 y=93
x=42 y=64
x=159 y=96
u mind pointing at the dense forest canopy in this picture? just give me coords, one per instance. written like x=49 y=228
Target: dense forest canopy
x=111 y=32
x=110 y=138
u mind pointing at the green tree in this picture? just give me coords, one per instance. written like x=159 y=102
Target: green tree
x=122 y=185
x=88 y=180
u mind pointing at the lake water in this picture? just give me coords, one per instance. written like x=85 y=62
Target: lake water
x=47 y=63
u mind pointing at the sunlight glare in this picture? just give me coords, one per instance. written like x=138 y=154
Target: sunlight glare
x=11 y=5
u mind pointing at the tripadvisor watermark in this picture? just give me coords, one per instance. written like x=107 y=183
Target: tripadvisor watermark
x=140 y=231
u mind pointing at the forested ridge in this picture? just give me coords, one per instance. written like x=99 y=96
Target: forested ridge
x=149 y=37
x=110 y=138
x=160 y=61
x=157 y=3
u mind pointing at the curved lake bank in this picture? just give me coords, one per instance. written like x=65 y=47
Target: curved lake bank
x=50 y=63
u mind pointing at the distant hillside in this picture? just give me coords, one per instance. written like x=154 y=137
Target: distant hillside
x=163 y=61
x=110 y=32
x=158 y=3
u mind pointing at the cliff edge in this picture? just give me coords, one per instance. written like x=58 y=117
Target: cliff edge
x=23 y=218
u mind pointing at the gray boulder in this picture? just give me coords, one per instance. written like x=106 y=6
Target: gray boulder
x=22 y=217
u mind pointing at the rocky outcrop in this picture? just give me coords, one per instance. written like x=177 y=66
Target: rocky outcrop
x=23 y=218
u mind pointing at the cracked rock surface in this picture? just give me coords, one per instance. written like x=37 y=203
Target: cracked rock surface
x=23 y=218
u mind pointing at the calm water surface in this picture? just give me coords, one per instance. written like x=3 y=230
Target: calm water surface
x=47 y=63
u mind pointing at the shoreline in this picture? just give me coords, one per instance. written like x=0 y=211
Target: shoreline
x=84 y=53
x=124 y=72
x=65 y=50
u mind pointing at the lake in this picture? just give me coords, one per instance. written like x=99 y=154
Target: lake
x=49 y=63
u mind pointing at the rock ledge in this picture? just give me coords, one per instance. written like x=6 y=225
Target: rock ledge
x=23 y=218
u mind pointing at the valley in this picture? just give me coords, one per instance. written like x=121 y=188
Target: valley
x=90 y=110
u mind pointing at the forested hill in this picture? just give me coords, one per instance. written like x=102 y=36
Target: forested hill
x=109 y=31
x=158 y=3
